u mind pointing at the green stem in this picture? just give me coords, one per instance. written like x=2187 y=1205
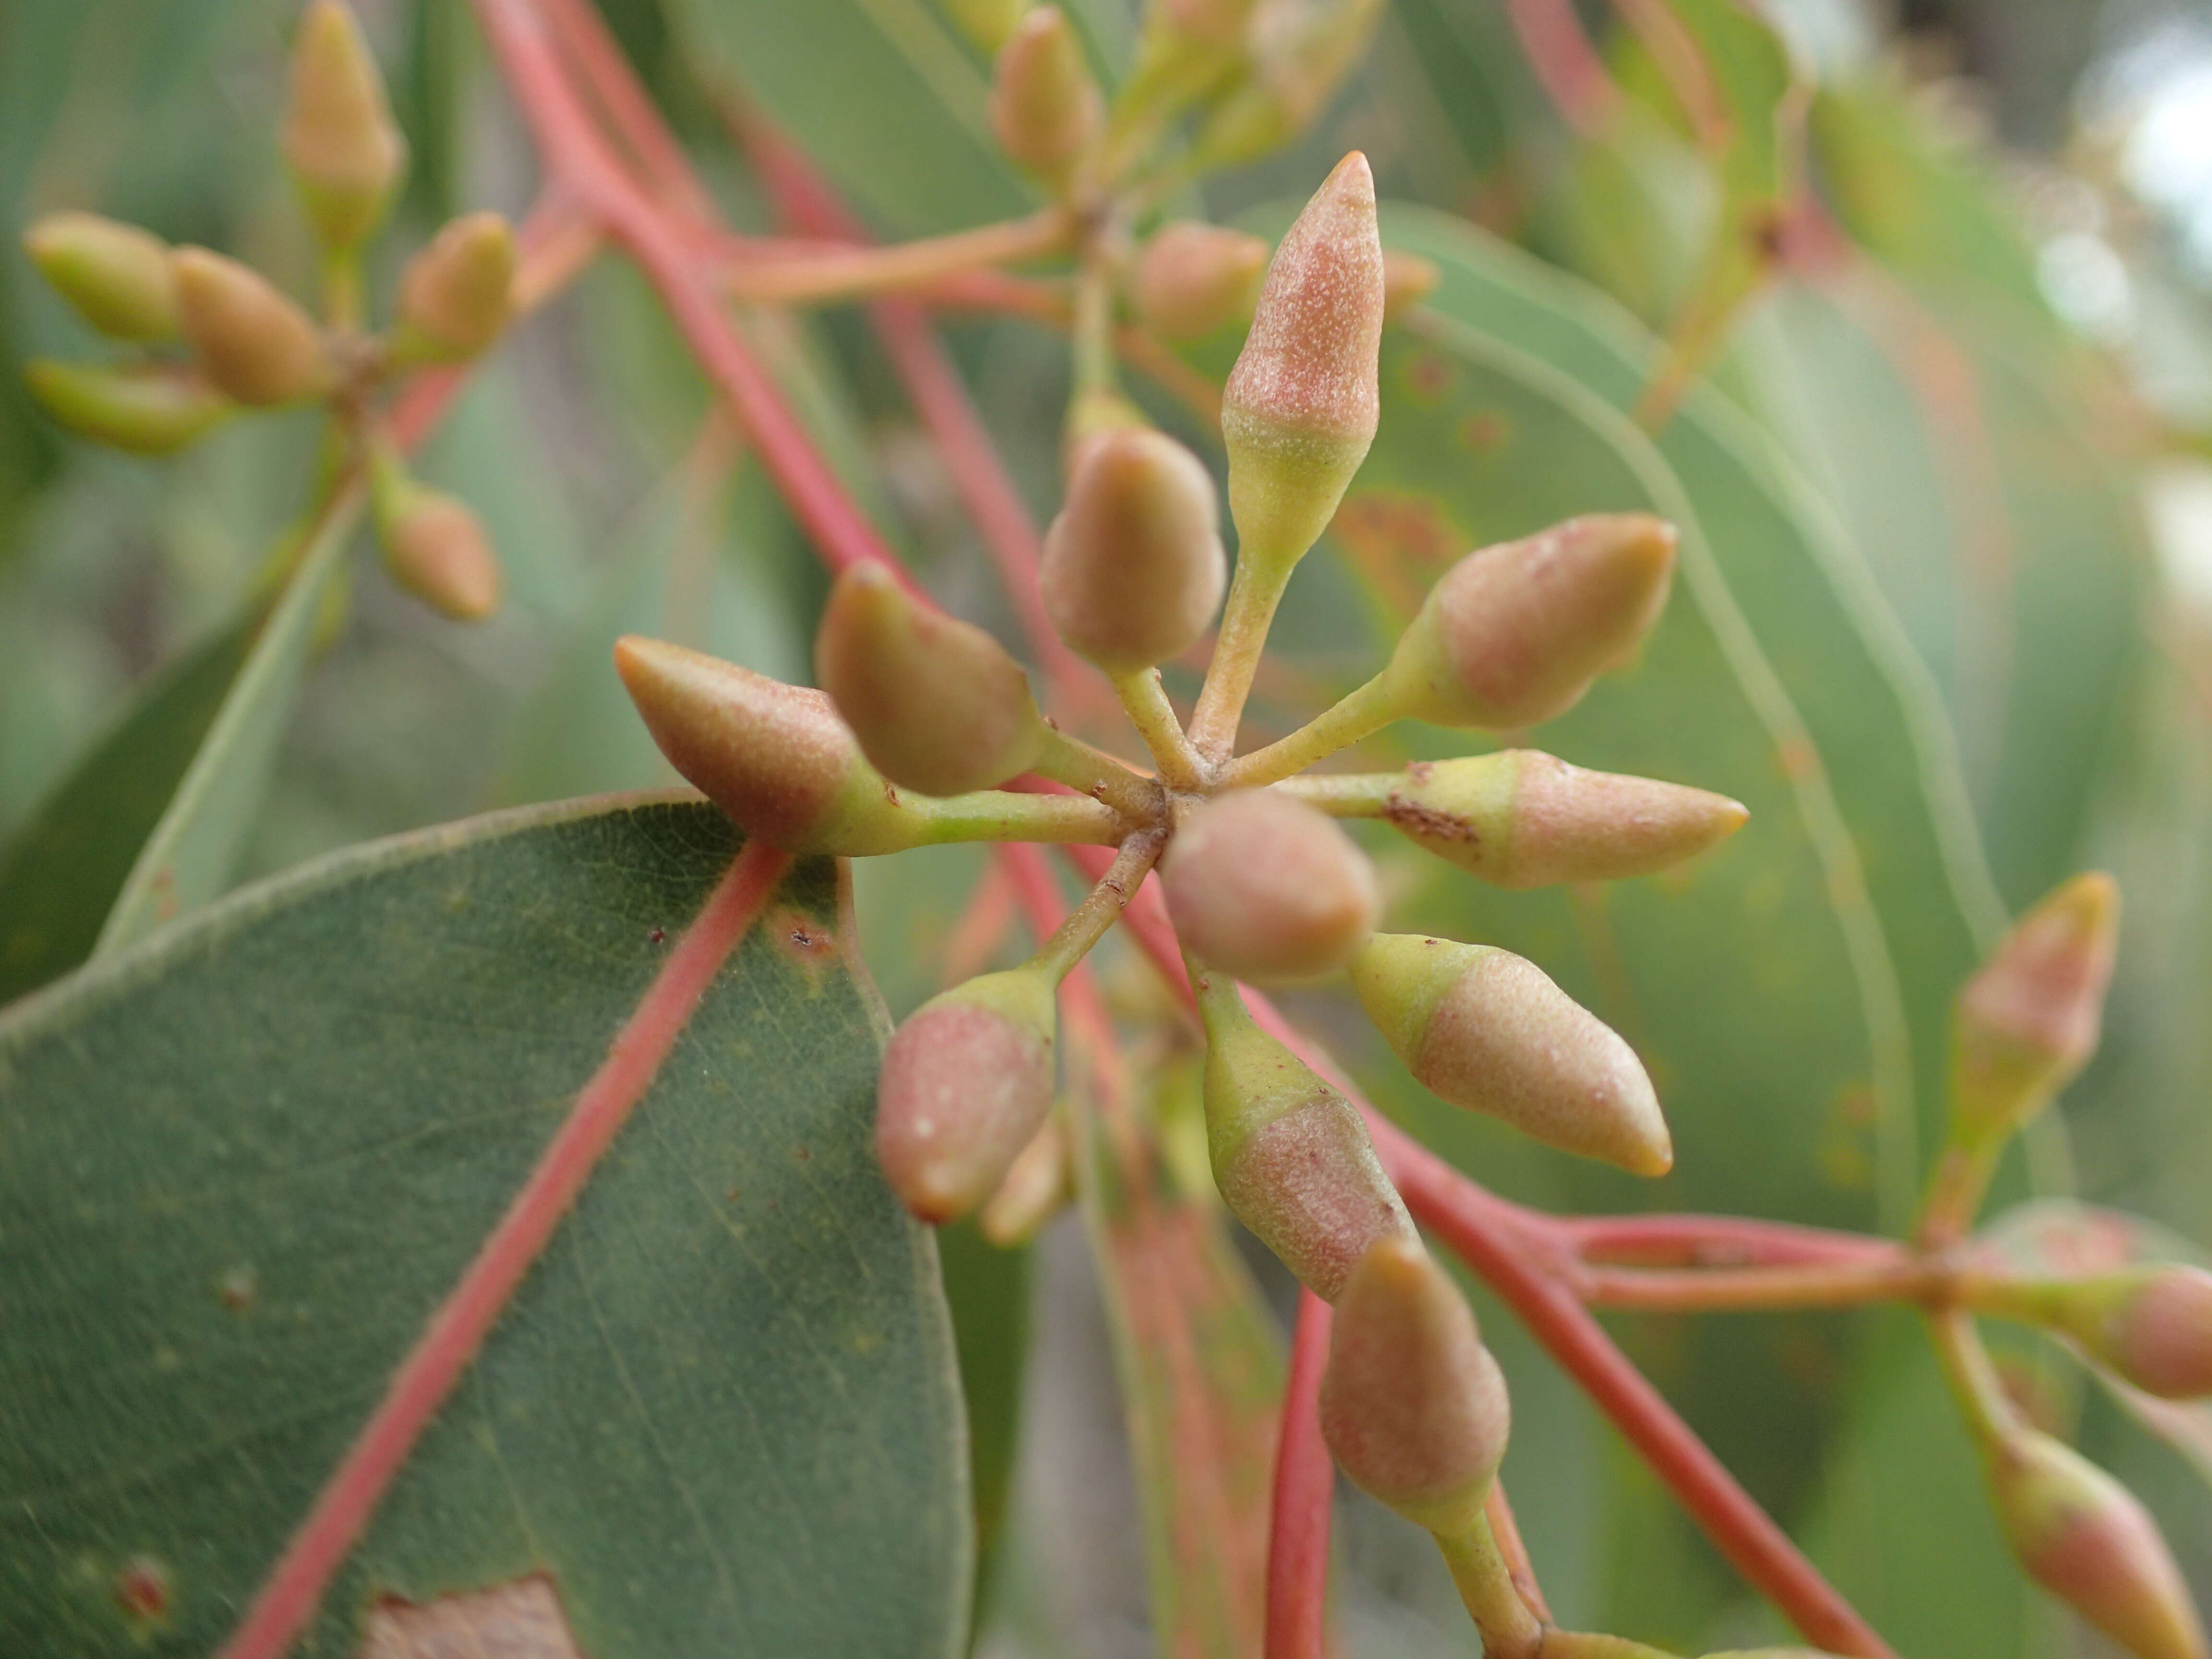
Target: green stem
x=1094 y=361
x=1003 y=815
x=1146 y=700
x=1955 y=1191
x=1509 y=1630
x=1087 y=923
x=1254 y=593
x=1344 y=795
x=341 y=305
x=1098 y=775
x=1975 y=1385
x=1361 y=714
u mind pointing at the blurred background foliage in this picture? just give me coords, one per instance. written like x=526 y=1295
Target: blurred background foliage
x=1945 y=622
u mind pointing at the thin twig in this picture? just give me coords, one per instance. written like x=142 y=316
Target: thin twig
x=1305 y=1484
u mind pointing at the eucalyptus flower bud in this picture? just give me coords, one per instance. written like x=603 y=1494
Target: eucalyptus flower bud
x=2029 y=1020
x=1264 y=887
x=1290 y=1154
x=436 y=548
x=256 y=344
x=1302 y=403
x=2084 y=1538
x=1301 y=52
x=1191 y=278
x=937 y=703
x=1513 y=634
x=1523 y=818
x=1407 y=280
x=988 y=24
x=1486 y=1030
x=1215 y=22
x=152 y=410
x=1045 y=108
x=339 y=140
x=114 y=276
x=965 y=1083
x=458 y=293
x=775 y=757
x=1038 y=1185
x=1133 y=568
x=1412 y=1406
x=2151 y=1325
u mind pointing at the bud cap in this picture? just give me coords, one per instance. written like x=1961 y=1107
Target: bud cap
x=151 y=410
x=1301 y=405
x=339 y=140
x=1486 y=1030
x=1045 y=108
x=1262 y=887
x=937 y=703
x=1412 y=1406
x=256 y=344
x=1133 y=566
x=2029 y=1020
x=115 y=275
x=1191 y=278
x=458 y=293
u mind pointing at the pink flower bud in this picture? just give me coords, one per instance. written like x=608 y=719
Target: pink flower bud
x=1514 y=634
x=1191 y=278
x=1521 y=818
x=1133 y=566
x=2030 y=1019
x=345 y=154
x=1486 y=1030
x=1412 y=1406
x=1261 y=886
x=965 y=1083
x=1290 y=1154
x=456 y=294
x=775 y=757
x=115 y=275
x=1045 y=108
x=937 y=703
x=436 y=548
x=2150 y=1325
x=1301 y=405
x=1407 y=280
x=255 y=343
x=2083 y=1536
x=150 y=411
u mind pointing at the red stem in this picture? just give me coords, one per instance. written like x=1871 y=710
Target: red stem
x=1305 y=1484
x=289 y=1597
x=584 y=39
x=1565 y=65
x=1507 y=1531
x=1718 y=1240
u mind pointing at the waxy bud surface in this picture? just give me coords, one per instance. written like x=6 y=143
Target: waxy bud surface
x=256 y=344
x=1191 y=278
x=1486 y=1030
x=1301 y=405
x=965 y=1084
x=458 y=293
x=344 y=151
x=775 y=757
x=151 y=410
x=1523 y=818
x=1264 y=887
x=937 y=703
x=1045 y=108
x=2150 y=1325
x=1133 y=568
x=1412 y=1406
x=2085 y=1538
x=2029 y=1020
x=1514 y=634
x=1290 y=1154
x=436 y=548
x=114 y=276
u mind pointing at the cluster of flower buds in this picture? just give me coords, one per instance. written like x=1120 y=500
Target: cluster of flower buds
x=216 y=337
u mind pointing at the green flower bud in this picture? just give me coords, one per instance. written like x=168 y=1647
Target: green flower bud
x=988 y=24
x=2150 y=1325
x=1407 y=280
x=937 y=703
x=1045 y=108
x=1215 y=22
x=775 y=757
x=1301 y=405
x=965 y=1083
x=1514 y=634
x=1290 y=1154
x=436 y=548
x=345 y=153
x=151 y=409
x=2084 y=1538
x=1191 y=278
x=115 y=275
x=1523 y=819
x=1133 y=568
x=1301 y=52
x=2030 y=1019
x=1486 y=1030
x=458 y=293
x=1262 y=887
x=1412 y=1406
x=256 y=344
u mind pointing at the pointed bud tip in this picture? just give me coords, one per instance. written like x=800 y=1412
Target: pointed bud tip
x=437 y=550
x=344 y=150
x=1044 y=107
x=2032 y=1016
x=1265 y=887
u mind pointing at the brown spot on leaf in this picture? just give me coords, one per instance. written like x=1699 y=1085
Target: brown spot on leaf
x=237 y=1289
x=521 y=1619
x=142 y=1587
x=1484 y=433
x=1399 y=542
x=803 y=939
x=1428 y=377
x=659 y=936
